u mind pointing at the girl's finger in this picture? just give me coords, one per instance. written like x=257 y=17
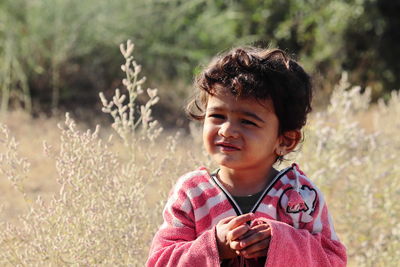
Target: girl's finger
x=235 y=245
x=256 y=250
x=261 y=253
x=255 y=229
x=238 y=232
x=242 y=219
x=234 y=235
x=226 y=220
x=261 y=226
x=255 y=235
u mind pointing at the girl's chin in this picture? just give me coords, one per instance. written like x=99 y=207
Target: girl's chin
x=227 y=162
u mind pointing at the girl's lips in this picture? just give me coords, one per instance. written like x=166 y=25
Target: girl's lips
x=227 y=146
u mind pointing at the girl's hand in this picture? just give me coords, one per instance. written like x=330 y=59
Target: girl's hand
x=254 y=243
x=229 y=229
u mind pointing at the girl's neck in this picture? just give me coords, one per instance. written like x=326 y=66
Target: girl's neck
x=245 y=182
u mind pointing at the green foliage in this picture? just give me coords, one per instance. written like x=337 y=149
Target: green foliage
x=180 y=34
x=62 y=51
x=12 y=73
x=313 y=30
x=41 y=39
x=371 y=45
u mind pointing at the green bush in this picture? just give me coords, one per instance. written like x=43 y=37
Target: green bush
x=61 y=52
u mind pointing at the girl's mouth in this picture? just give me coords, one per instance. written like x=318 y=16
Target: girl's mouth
x=227 y=146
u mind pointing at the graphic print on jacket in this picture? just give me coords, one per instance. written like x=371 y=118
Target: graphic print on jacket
x=300 y=200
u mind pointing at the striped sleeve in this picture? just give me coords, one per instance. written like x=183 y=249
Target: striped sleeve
x=176 y=242
x=304 y=234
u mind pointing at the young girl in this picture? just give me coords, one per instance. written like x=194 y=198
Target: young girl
x=253 y=104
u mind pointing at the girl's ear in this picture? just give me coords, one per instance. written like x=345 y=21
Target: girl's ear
x=288 y=142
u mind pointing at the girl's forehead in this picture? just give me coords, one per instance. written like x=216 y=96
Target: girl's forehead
x=231 y=102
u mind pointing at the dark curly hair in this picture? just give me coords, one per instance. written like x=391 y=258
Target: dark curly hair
x=261 y=74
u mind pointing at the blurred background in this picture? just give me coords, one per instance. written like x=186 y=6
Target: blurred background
x=72 y=204
x=56 y=55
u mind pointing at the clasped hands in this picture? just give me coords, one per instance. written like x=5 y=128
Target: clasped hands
x=236 y=237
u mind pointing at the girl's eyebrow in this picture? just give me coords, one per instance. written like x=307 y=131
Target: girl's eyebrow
x=215 y=109
x=243 y=112
x=252 y=115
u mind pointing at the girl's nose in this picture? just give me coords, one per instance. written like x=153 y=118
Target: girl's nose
x=228 y=130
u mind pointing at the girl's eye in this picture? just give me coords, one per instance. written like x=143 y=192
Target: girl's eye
x=217 y=116
x=248 y=122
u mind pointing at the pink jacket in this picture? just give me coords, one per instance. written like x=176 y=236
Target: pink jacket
x=302 y=230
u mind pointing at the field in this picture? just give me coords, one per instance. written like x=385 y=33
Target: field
x=71 y=196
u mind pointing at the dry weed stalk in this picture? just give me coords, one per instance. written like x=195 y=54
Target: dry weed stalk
x=12 y=165
x=127 y=118
x=358 y=172
x=101 y=215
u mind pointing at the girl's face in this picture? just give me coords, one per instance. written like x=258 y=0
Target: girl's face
x=241 y=134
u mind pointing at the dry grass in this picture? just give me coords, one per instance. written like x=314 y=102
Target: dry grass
x=30 y=134
x=101 y=199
